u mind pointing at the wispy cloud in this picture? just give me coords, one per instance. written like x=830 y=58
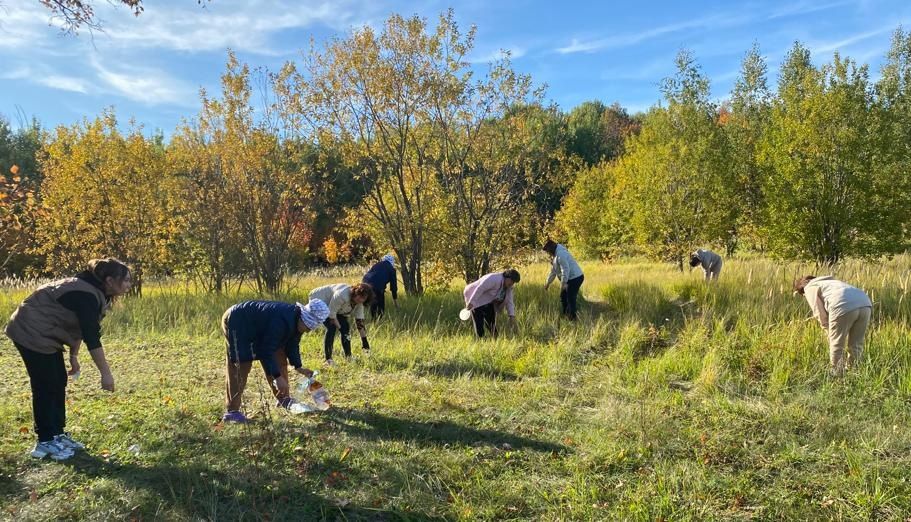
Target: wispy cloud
x=629 y=39
x=148 y=86
x=827 y=47
x=805 y=7
x=241 y=25
x=64 y=83
x=40 y=77
x=24 y=25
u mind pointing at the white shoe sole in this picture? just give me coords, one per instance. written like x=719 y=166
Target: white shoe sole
x=63 y=455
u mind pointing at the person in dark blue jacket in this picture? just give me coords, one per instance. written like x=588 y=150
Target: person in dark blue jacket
x=382 y=273
x=268 y=332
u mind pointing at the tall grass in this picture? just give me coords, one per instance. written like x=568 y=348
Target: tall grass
x=669 y=399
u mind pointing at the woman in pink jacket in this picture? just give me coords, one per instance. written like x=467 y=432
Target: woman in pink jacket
x=488 y=296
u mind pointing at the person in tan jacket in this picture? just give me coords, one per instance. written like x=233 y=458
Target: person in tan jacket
x=843 y=311
x=60 y=314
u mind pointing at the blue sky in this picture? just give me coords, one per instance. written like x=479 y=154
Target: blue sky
x=151 y=67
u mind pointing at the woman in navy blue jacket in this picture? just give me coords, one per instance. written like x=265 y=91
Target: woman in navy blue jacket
x=268 y=332
x=382 y=273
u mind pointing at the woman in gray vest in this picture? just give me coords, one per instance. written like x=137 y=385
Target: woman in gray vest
x=60 y=314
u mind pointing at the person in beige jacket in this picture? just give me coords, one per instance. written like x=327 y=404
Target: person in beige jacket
x=60 y=314
x=843 y=311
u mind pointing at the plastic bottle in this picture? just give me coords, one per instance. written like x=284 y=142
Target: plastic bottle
x=317 y=392
x=320 y=396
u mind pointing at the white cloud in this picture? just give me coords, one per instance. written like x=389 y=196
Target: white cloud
x=148 y=86
x=628 y=39
x=840 y=45
x=24 y=25
x=804 y=7
x=64 y=83
x=248 y=26
x=42 y=77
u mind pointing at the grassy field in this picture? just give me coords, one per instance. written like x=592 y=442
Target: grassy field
x=669 y=400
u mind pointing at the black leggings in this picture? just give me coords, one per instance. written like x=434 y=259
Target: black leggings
x=345 y=332
x=47 y=375
x=569 y=297
x=485 y=316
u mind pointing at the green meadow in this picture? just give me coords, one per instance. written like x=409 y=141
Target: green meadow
x=670 y=399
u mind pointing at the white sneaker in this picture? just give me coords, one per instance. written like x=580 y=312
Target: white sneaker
x=68 y=442
x=52 y=449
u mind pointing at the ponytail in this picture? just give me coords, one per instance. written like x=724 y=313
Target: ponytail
x=102 y=269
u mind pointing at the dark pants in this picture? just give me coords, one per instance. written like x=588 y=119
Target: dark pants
x=47 y=375
x=378 y=305
x=569 y=296
x=345 y=332
x=485 y=316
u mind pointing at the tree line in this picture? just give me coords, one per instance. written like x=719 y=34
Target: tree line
x=389 y=139
x=816 y=170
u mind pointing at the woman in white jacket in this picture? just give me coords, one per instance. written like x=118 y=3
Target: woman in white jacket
x=565 y=268
x=843 y=311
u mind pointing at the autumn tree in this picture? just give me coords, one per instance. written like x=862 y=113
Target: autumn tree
x=20 y=179
x=208 y=246
x=595 y=216
x=104 y=194
x=264 y=168
x=372 y=95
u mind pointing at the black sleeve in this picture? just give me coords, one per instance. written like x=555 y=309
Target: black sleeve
x=394 y=286
x=88 y=311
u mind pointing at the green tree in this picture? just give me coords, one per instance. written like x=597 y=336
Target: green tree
x=892 y=161
x=823 y=198
x=748 y=118
x=594 y=216
x=674 y=178
x=596 y=132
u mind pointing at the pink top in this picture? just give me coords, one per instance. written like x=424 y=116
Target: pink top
x=486 y=290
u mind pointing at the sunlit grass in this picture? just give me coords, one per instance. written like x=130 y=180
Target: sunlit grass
x=670 y=399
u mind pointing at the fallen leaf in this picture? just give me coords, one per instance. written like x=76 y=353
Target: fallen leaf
x=23 y=430
x=345 y=453
x=33 y=496
x=14 y=169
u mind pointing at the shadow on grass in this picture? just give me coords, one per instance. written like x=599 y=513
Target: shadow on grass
x=452 y=369
x=202 y=473
x=376 y=426
x=198 y=491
